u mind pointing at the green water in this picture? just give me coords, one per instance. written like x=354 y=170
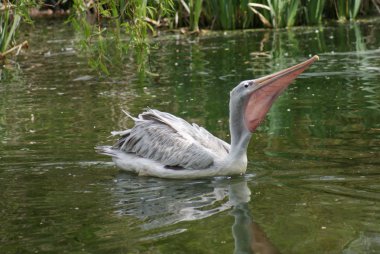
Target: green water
x=313 y=179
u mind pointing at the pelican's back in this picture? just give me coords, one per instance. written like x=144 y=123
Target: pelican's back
x=171 y=141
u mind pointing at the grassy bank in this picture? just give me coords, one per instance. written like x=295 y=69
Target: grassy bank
x=224 y=14
x=102 y=24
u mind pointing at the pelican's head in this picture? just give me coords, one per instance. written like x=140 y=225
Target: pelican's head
x=256 y=96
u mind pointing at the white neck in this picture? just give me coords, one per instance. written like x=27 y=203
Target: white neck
x=236 y=162
x=240 y=135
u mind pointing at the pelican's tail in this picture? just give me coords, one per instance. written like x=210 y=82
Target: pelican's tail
x=106 y=150
x=126 y=161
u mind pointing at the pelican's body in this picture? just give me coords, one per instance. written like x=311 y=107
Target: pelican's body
x=164 y=145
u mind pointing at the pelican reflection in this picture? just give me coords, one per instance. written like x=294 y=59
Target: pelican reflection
x=248 y=235
x=161 y=203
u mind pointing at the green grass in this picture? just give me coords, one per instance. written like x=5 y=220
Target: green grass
x=11 y=15
x=195 y=13
x=282 y=13
x=9 y=23
x=314 y=11
x=347 y=9
x=136 y=19
x=103 y=25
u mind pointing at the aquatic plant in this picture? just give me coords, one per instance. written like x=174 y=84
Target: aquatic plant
x=347 y=9
x=195 y=13
x=8 y=27
x=10 y=18
x=227 y=15
x=282 y=12
x=119 y=25
x=108 y=29
x=313 y=11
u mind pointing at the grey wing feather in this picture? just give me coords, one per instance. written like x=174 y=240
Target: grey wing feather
x=190 y=131
x=171 y=141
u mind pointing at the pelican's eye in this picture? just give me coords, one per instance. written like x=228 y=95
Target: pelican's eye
x=246 y=85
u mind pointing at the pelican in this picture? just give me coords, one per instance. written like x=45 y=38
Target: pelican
x=163 y=145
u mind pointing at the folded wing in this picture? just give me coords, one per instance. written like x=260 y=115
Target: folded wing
x=171 y=141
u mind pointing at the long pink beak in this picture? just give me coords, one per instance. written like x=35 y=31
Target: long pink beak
x=267 y=89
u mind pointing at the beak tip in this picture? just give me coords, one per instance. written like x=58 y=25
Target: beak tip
x=316 y=57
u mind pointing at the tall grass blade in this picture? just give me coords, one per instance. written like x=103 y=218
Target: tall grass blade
x=340 y=6
x=292 y=10
x=353 y=10
x=5 y=19
x=254 y=7
x=314 y=11
x=283 y=12
x=195 y=12
x=12 y=31
x=227 y=11
x=244 y=17
x=347 y=9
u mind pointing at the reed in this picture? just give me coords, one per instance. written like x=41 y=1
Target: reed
x=136 y=19
x=9 y=23
x=283 y=13
x=347 y=9
x=12 y=13
x=236 y=14
x=195 y=13
x=314 y=11
x=221 y=14
x=102 y=25
x=353 y=10
x=228 y=15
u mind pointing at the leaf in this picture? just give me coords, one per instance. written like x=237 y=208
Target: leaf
x=261 y=17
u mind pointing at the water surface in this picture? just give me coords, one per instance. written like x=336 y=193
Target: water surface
x=313 y=179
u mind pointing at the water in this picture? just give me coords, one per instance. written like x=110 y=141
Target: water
x=313 y=179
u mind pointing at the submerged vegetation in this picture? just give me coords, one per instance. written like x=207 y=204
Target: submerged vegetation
x=107 y=30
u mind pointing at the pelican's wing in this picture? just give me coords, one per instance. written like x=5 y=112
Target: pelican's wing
x=171 y=141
